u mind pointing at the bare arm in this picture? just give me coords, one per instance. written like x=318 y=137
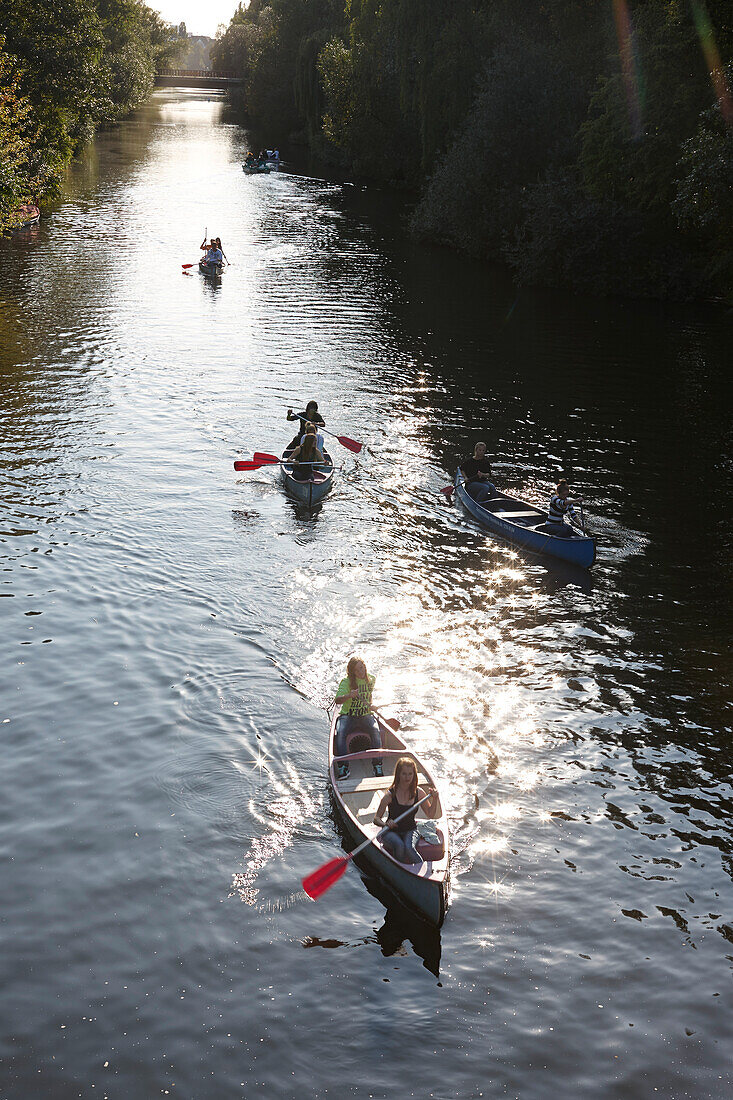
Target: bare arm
x=379 y=818
x=345 y=698
x=432 y=806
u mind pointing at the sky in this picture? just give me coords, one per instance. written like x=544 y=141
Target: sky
x=200 y=16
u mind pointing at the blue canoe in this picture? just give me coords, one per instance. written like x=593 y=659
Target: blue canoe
x=313 y=490
x=256 y=169
x=521 y=523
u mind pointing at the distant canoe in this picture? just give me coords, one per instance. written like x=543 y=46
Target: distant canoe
x=423 y=887
x=313 y=490
x=212 y=271
x=256 y=169
x=29 y=215
x=521 y=523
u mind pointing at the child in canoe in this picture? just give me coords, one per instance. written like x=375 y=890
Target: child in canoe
x=560 y=507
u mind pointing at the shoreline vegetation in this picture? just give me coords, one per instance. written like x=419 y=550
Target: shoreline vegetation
x=67 y=69
x=586 y=145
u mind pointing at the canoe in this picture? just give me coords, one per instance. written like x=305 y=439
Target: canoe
x=313 y=490
x=29 y=218
x=212 y=271
x=256 y=169
x=422 y=887
x=520 y=523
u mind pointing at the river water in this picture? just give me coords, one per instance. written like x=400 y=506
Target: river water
x=172 y=632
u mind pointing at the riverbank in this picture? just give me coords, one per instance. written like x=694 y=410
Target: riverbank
x=560 y=142
x=57 y=88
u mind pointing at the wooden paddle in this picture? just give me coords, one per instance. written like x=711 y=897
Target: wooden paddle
x=317 y=882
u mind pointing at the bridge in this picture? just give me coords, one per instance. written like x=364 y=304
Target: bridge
x=196 y=78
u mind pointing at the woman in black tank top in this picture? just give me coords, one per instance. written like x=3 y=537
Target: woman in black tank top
x=402 y=838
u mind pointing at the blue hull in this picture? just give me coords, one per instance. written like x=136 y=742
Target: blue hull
x=578 y=549
x=308 y=492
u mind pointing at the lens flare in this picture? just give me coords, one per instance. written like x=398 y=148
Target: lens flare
x=712 y=59
x=629 y=65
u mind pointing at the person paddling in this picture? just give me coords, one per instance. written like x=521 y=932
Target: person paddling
x=401 y=840
x=307 y=456
x=354 y=695
x=477 y=474
x=218 y=245
x=310 y=416
x=214 y=254
x=560 y=507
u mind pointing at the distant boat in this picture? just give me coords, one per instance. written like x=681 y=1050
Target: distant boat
x=256 y=169
x=212 y=271
x=29 y=214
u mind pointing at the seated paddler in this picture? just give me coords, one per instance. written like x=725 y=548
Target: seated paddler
x=476 y=471
x=354 y=696
x=560 y=508
x=401 y=840
x=214 y=254
x=311 y=415
x=307 y=457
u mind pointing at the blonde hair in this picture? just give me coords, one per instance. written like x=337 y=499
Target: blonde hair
x=351 y=671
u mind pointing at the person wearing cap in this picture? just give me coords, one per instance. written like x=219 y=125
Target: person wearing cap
x=477 y=475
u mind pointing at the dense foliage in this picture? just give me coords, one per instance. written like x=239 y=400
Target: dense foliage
x=585 y=143
x=67 y=67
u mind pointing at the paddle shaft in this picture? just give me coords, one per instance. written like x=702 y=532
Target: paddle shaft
x=344 y=440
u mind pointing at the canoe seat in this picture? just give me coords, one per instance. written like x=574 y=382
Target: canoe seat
x=367 y=783
x=431 y=852
x=358 y=741
x=516 y=515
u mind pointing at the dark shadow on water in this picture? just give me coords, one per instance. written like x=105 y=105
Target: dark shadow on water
x=400 y=923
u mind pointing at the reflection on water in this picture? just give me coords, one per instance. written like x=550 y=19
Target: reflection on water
x=173 y=629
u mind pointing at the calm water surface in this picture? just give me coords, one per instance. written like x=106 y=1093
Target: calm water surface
x=172 y=632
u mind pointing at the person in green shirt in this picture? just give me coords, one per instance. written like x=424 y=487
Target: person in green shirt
x=354 y=695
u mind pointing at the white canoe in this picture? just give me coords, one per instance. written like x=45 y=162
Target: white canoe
x=422 y=887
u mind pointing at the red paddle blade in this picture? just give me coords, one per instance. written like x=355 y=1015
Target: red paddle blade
x=449 y=490
x=262 y=456
x=317 y=882
x=185 y=266
x=350 y=444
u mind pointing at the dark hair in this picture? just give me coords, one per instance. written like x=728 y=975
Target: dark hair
x=403 y=762
x=314 y=404
x=562 y=484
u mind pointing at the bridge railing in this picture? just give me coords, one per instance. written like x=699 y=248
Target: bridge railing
x=198 y=72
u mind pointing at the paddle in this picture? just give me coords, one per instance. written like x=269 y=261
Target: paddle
x=344 y=440
x=317 y=882
x=271 y=460
x=393 y=722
